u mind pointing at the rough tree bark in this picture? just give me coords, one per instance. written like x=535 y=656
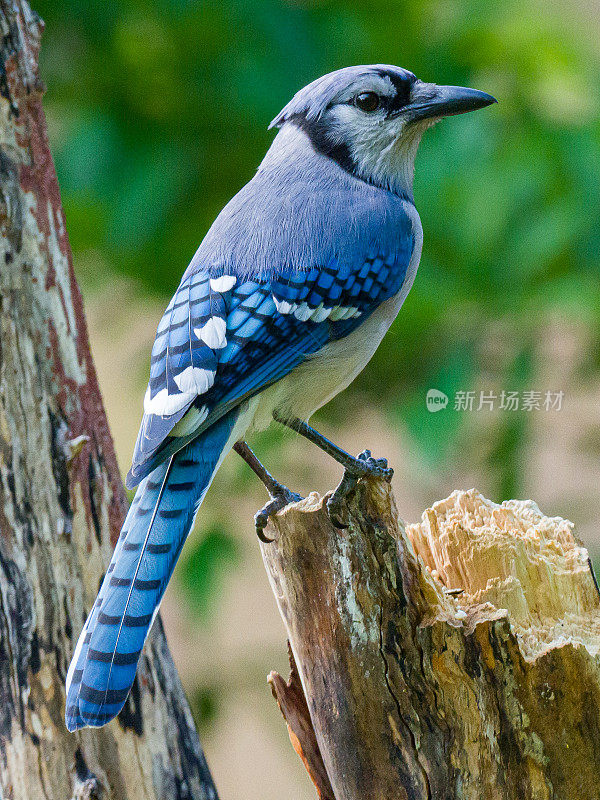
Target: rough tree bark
x=454 y=659
x=61 y=497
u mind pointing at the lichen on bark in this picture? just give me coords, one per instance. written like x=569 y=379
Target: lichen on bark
x=483 y=681
x=61 y=497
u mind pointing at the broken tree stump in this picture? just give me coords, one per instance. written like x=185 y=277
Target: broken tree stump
x=452 y=659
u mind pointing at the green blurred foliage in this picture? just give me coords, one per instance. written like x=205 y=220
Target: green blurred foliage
x=203 y=566
x=159 y=112
x=205 y=706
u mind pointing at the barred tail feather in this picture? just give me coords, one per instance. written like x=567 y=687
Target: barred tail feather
x=103 y=667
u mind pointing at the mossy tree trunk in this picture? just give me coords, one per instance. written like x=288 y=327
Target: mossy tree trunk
x=61 y=498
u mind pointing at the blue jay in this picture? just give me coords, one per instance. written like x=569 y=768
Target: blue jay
x=283 y=304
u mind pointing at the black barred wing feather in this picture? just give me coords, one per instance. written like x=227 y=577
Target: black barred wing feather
x=336 y=292
x=223 y=339
x=273 y=326
x=184 y=362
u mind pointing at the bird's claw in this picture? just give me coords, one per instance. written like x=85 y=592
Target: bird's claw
x=370 y=467
x=365 y=466
x=275 y=504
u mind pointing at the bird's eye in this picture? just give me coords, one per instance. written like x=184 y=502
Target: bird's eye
x=368 y=101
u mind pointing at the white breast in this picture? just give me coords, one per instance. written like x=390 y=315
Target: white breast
x=326 y=373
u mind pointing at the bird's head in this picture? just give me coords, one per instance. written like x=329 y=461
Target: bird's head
x=370 y=119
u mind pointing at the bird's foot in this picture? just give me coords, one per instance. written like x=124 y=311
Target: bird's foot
x=364 y=466
x=370 y=467
x=280 y=494
x=280 y=498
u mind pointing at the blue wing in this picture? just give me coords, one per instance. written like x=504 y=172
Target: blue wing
x=224 y=338
x=184 y=359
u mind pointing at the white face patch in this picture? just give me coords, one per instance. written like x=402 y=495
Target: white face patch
x=382 y=147
x=212 y=333
x=377 y=145
x=223 y=284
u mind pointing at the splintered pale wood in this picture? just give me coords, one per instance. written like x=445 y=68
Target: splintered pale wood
x=61 y=498
x=453 y=659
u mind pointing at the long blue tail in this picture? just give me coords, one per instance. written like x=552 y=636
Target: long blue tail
x=105 y=660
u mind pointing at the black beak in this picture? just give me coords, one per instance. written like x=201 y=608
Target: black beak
x=444 y=101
